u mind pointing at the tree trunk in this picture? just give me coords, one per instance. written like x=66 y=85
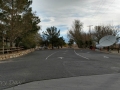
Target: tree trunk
x=52 y=45
x=11 y=44
x=118 y=48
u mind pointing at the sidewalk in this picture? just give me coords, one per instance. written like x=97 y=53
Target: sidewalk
x=95 y=82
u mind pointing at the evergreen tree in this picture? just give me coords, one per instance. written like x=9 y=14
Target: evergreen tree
x=18 y=18
x=52 y=35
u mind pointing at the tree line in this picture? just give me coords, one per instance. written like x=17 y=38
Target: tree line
x=87 y=39
x=19 y=27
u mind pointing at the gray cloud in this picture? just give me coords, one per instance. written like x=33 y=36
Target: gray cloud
x=62 y=26
x=46 y=20
x=67 y=8
x=63 y=12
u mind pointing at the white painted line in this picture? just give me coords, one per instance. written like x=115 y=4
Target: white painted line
x=61 y=57
x=50 y=55
x=80 y=55
x=105 y=57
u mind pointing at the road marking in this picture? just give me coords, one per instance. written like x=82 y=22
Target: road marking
x=80 y=55
x=66 y=51
x=50 y=55
x=61 y=57
x=106 y=57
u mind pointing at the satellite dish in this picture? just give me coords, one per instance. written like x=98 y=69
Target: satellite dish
x=99 y=46
x=118 y=41
x=107 y=40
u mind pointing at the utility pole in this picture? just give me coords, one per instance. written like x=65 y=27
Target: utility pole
x=90 y=27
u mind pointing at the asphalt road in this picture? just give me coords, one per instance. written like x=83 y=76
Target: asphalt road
x=53 y=64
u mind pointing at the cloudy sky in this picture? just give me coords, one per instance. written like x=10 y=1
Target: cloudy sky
x=62 y=13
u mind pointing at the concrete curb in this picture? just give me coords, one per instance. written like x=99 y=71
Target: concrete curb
x=17 y=54
x=110 y=52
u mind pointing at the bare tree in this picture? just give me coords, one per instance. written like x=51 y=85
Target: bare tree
x=75 y=32
x=87 y=40
x=100 y=31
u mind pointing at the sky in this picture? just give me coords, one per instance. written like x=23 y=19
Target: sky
x=62 y=13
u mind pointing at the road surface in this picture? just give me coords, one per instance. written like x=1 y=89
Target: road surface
x=55 y=64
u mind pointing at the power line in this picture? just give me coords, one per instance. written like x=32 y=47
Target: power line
x=105 y=10
x=97 y=9
x=100 y=5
